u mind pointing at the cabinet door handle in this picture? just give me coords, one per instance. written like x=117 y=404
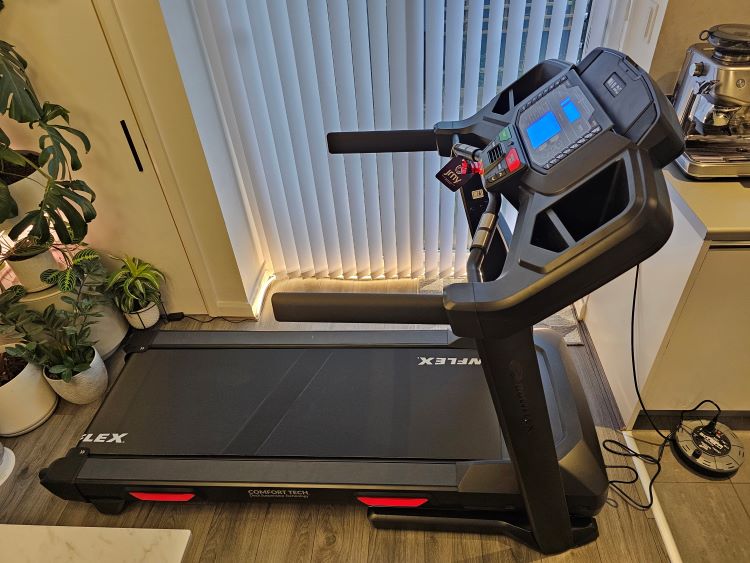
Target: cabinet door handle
x=131 y=145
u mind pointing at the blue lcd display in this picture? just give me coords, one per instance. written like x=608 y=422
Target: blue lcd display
x=570 y=109
x=543 y=129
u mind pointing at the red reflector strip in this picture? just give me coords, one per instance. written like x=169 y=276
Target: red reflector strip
x=164 y=497
x=392 y=501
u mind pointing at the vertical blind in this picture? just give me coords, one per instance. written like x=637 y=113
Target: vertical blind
x=285 y=72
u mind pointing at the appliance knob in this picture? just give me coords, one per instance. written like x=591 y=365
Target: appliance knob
x=699 y=69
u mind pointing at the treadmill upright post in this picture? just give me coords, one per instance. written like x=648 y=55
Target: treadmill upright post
x=512 y=373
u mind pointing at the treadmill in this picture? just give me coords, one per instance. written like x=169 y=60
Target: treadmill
x=483 y=427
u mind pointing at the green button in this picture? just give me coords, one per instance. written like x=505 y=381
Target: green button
x=504 y=134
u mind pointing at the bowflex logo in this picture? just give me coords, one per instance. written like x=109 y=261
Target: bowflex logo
x=447 y=361
x=105 y=438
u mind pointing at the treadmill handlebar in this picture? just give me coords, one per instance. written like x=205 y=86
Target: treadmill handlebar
x=404 y=140
x=399 y=308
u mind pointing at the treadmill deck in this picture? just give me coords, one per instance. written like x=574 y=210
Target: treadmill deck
x=405 y=403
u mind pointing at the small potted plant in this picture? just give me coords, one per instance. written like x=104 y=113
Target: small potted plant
x=135 y=289
x=83 y=270
x=59 y=341
x=26 y=401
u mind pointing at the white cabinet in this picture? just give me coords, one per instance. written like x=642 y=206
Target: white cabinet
x=70 y=63
x=707 y=355
x=692 y=327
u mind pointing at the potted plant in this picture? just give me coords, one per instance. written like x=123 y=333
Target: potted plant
x=86 y=273
x=65 y=206
x=59 y=341
x=26 y=401
x=135 y=289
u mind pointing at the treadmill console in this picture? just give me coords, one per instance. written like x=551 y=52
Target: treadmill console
x=556 y=122
x=576 y=149
x=549 y=126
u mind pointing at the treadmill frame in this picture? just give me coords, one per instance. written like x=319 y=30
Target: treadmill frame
x=471 y=495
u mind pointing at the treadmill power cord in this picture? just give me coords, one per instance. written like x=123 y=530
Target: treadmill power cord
x=171 y=317
x=620 y=449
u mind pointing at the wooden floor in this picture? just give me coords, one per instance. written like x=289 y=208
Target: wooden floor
x=299 y=532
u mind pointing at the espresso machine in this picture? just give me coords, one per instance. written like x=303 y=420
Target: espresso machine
x=712 y=101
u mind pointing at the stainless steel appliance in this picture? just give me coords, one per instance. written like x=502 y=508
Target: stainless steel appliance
x=712 y=101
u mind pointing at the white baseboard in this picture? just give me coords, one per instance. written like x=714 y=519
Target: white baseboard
x=665 y=532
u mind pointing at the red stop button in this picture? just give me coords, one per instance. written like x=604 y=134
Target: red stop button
x=512 y=160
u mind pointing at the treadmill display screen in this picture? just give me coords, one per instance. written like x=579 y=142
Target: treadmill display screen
x=555 y=123
x=570 y=110
x=543 y=129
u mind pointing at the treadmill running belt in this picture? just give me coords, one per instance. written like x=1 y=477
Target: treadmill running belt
x=390 y=403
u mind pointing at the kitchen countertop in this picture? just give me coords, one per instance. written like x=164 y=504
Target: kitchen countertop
x=718 y=209
x=34 y=544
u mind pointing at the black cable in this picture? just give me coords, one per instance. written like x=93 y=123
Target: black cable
x=625 y=451
x=632 y=356
x=212 y=319
x=175 y=317
x=618 y=448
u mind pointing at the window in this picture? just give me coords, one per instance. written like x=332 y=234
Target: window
x=283 y=73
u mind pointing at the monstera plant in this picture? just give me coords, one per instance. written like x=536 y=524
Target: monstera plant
x=66 y=205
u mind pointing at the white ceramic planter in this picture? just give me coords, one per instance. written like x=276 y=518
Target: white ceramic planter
x=28 y=270
x=85 y=387
x=7 y=462
x=108 y=331
x=145 y=318
x=26 y=401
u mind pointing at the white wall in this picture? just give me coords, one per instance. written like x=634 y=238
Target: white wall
x=683 y=21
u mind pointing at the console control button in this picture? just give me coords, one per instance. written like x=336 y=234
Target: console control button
x=504 y=134
x=512 y=160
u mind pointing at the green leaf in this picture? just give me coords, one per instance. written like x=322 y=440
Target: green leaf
x=75 y=220
x=89 y=213
x=56 y=369
x=85 y=255
x=80 y=186
x=17 y=97
x=66 y=280
x=24 y=223
x=61 y=227
x=9 y=155
x=8 y=206
x=80 y=134
x=40 y=229
x=52 y=111
x=50 y=276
